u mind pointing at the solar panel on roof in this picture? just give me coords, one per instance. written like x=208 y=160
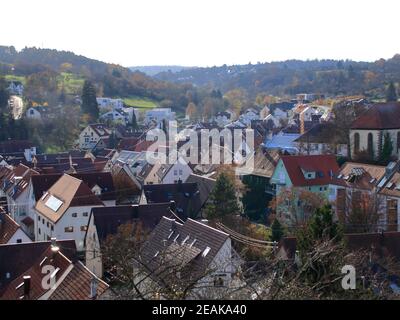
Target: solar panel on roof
x=53 y=203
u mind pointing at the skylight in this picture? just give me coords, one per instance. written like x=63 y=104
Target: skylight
x=193 y=242
x=205 y=252
x=53 y=203
x=184 y=240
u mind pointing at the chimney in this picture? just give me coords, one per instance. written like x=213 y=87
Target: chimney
x=27 y=286
x=54 y=247
x=93 y=288
x=172 y=205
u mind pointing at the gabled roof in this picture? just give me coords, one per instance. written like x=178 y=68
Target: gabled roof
x=185 y=195
x=72 y=279
x=359 y=175
x=66 y=192
x=8 y=227
x=100 y=129
x=325 y=164
x=42 y=183
x=327 y=133
x=265 y=162
x=380 y=116
x=17 y=258
x=205 y=186
x=171 y=237
x=77 y=285
x=108 y=219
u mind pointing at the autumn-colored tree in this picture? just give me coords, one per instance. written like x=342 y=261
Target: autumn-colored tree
x=191 y=110
x=294 y=206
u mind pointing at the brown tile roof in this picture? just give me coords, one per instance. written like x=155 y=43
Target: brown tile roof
x=325 y=164
x=57 y=260
x=380 y=116
x=42 y=183
x=17 y=258
x=77 y=284
x=72 y=192
x=8 y=227
x=359 y=175
x=73 y=279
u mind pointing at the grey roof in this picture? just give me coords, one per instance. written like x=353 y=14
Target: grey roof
x=204 y=184
x=187 y=242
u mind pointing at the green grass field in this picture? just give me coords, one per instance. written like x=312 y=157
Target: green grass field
x=72 y=83
x=10 y=77
x=140 y=102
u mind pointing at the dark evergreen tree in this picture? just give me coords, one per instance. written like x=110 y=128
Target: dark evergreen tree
x=112 y=142
x=89 y=102
x=391 y=93
x=4 y=94
x=134 y=124
x=387 y=149
x=320 y=227
x=255 y=200
x=223 y=200
x=277 y=231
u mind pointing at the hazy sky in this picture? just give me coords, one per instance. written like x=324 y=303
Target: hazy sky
x=205 y=32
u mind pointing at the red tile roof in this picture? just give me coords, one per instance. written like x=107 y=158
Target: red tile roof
x=73 y=279
x=8 y=227
x=325 y=164
x=77 y=284
x=379 y=116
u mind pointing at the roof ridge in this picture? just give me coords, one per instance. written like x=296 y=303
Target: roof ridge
x=205 y=225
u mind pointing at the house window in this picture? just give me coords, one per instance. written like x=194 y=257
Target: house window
x=74 y=215
x=175 y=172
x=84 y=228
x=218 y=281
x=85 y=214
x=19 y=240
x=180 y=172
x=39 y=231
x=69 y=229
x=52 y=228
x=356 y=142
x=48 y=225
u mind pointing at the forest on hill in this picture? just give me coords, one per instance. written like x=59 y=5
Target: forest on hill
x=47 y=73
x=331 y=77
